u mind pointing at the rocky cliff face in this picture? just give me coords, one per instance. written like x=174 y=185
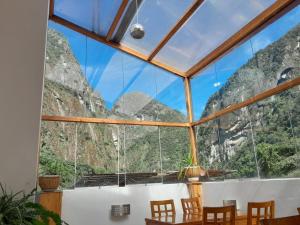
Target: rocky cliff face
x=278 y=61
x=67 y=93
x=228 y=142
x=271 y=125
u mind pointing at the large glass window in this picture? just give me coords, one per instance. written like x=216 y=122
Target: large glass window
x=263 y=62
x=101 y=154
x=275 y=124
x=85 y=78
x=260 y=140
x=88 y=79
x=226 y=147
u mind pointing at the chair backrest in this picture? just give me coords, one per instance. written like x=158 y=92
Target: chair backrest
x=298 y=210
x=219 y=215
x=162 y=208
x=290 y=220
x=229 y=203
x=191 y=205
x=264 y=210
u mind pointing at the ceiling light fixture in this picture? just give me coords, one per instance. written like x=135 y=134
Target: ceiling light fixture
x=137 y=30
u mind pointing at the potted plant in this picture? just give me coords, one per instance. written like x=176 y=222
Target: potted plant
x=49 y=180
x=19 y=209
x=189 y=170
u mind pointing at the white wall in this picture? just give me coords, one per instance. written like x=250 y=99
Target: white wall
x=23 y=26
x=285 y=192
x=91 y=205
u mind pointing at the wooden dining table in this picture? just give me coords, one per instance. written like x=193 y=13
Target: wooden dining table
x=184 y=219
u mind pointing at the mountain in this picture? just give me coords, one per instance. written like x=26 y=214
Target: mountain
x=97 y=146
x=139 y=106
x=271 y=125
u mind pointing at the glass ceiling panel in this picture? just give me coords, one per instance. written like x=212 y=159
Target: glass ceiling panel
x=158 y=17
x=213 y=23
x=94 y=15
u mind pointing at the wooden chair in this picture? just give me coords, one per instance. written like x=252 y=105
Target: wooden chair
x=219 y=215
x=162 y=208
x=290 y=220
x=191 y=205
x=268 y=211
x=298 y=210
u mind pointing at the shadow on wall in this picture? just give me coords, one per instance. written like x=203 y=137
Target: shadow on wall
x=285 y=192
x=92 y=205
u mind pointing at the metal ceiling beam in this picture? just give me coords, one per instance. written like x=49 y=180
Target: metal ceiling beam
x=278 y=8
x=173 y=31
x=117 y=19
x=127 y=18
x=117 y=46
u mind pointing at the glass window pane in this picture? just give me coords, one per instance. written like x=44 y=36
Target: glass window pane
x=213 y=23
x=96 y=154
x=203 y=89
x=170 y=97
x=175 y=146
x=93 y=15
x=141 y=155
x=57 y=156
x=157 y=17
x=226 y=147
x=88 y=79
x=268 y=59
x=261 y=140
x=276 y=126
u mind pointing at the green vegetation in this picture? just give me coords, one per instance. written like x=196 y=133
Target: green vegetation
x=276 y=140
x=19 y=209
x=268 y=129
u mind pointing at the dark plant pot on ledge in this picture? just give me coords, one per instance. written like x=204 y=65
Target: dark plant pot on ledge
x=194 y=172
x=49 y=182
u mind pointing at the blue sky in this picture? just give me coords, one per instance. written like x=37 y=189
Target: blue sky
x=113 y=74
x=215 y=76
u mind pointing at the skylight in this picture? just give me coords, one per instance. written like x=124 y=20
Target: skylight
x=213 y=23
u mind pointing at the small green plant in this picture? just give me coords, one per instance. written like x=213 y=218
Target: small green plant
x=18 y=209
x=185 y=163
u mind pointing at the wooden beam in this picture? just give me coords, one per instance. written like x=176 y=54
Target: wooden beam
x=178 y=25
x=273 y=91
x=116 y=19
x=51 y=8
x=243 y=34
x=111 y=121
x=188 y=99
x=117 y=46
x=189 y=108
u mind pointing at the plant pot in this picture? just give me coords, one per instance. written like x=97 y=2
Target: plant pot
x=49 y=182
x=194 y=171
